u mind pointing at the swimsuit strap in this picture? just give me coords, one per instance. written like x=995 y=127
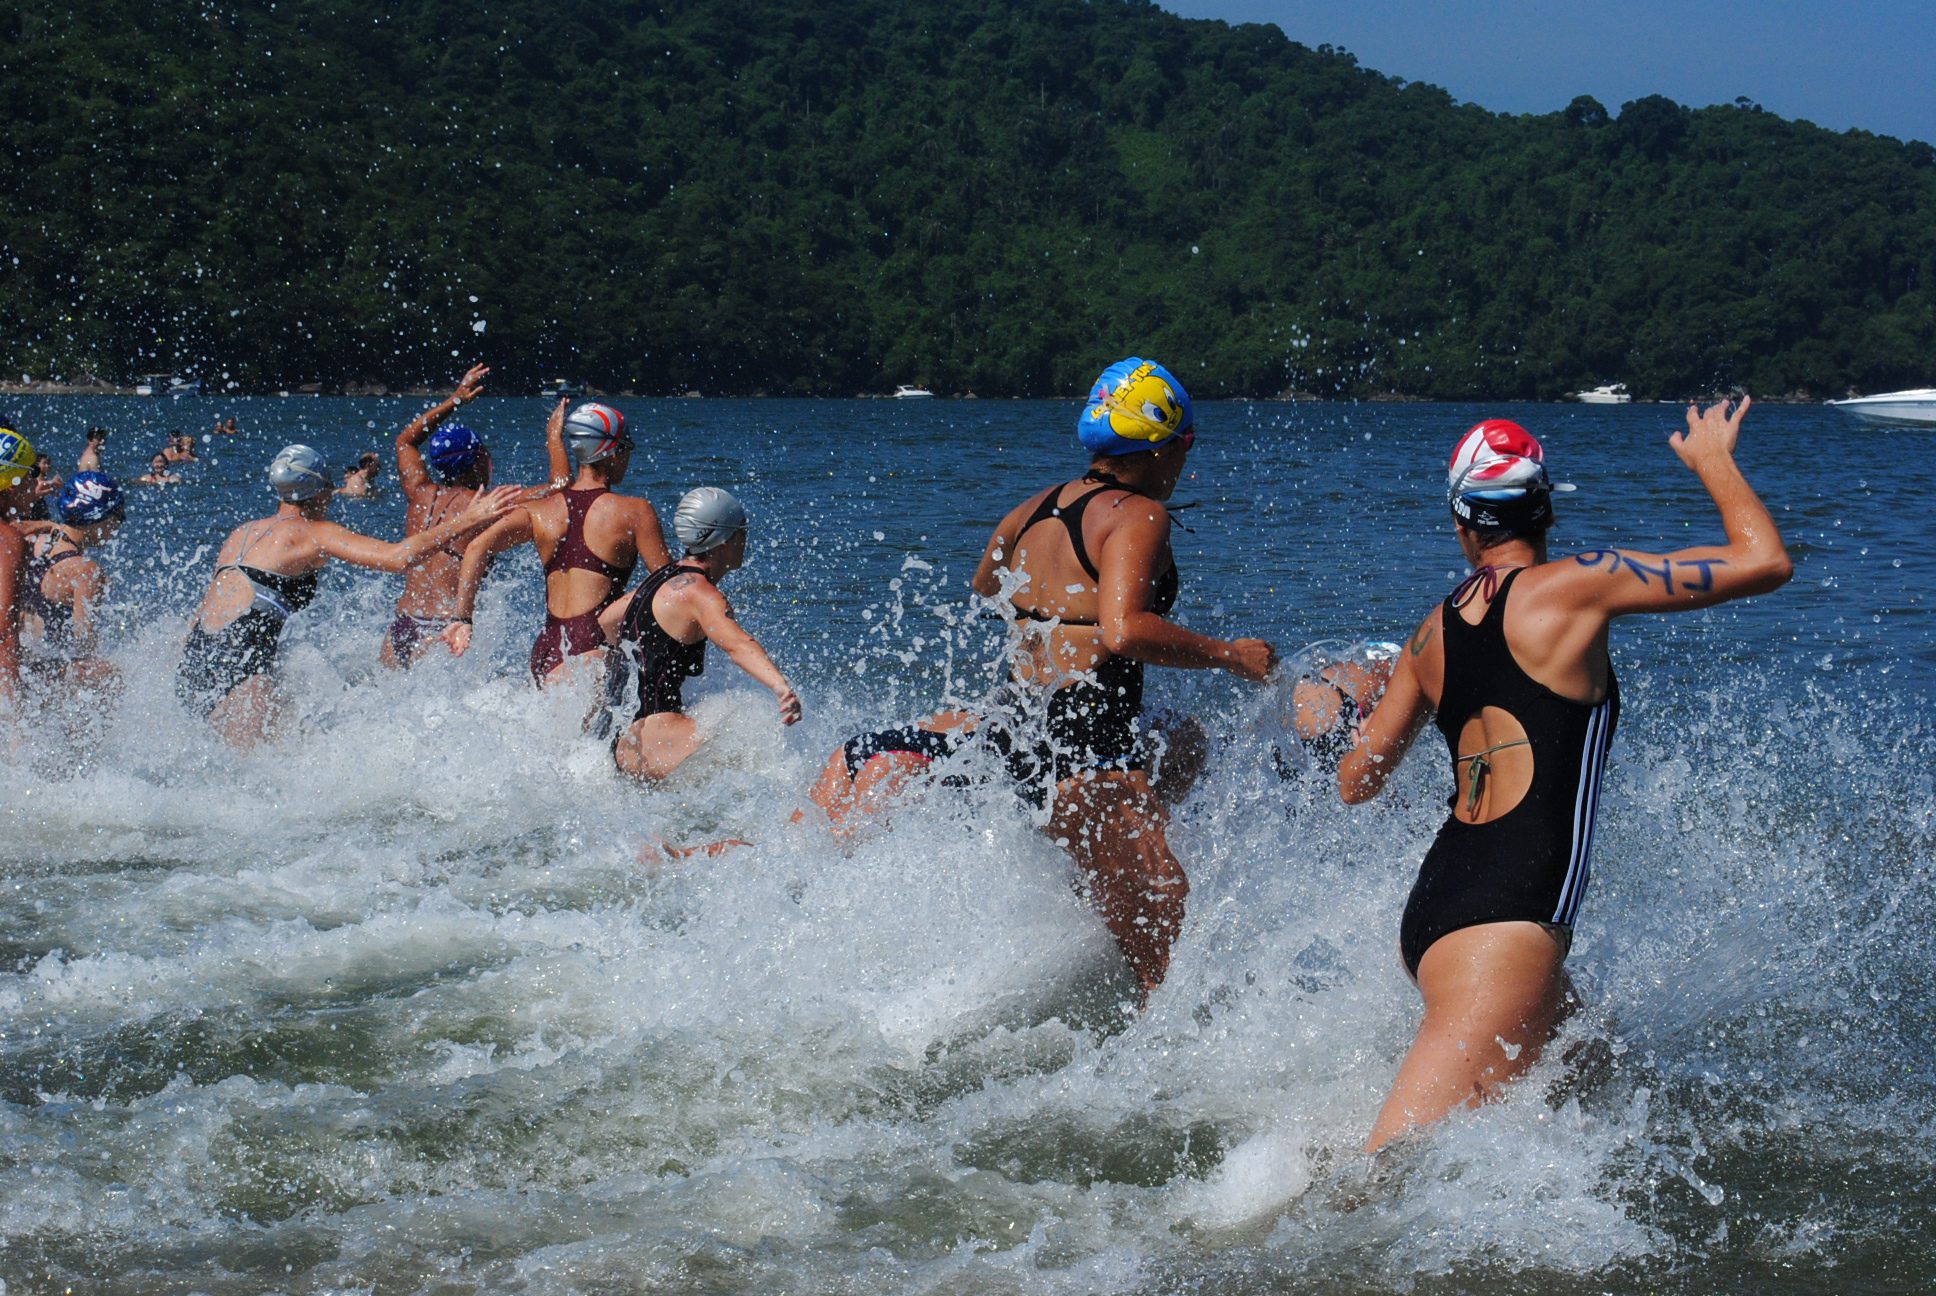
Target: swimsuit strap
x=1070 y=516
x=1486 y=580
x=574 y=553
x=249 y=542
x=1481 y=766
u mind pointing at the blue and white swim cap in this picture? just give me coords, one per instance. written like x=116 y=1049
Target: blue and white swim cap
x=90 y=497
x=298 y=472
x=452 y=449
x=594 y=432
x=1136 y=405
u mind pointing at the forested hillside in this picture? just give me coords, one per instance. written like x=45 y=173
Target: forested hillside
x=830 y=196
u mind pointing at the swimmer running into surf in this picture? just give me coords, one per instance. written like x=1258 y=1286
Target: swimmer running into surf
x=61 y=583
x=269 y=569
x=589 y=539
x=660 y=630
x=1085 y=568
x=1513 y=667
x=442 y=466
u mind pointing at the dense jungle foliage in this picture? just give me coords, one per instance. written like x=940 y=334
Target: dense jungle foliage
x=831 y=196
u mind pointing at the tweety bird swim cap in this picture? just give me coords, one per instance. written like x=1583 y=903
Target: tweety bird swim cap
x=1136 y=405
x=90 y=497
x=707 y=518
x=1497 y=479
x=17 y=458
x=594 y=432
x=298 y=473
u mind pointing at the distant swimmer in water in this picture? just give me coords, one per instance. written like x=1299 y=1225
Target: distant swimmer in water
x=442 y=466
x=1514 y=668
x=360 y=482
x=224 y=427
x=17 y=460
x=158 y=474
x=180 y=449
x=90 y=460
x=660 y=630
x=61 y=584
x=1086 y=568
x=589 y=539
x=270 y=568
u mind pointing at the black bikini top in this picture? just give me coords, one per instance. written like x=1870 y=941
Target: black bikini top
x=275 y=592
x=1162 y=595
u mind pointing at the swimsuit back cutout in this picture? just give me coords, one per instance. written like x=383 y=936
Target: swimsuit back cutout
x=662 y=662
x=1529 y=864
x=277 y=593
x=574 y=554
x=1168 y=585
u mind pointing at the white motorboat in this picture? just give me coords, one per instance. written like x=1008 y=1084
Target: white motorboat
x=907 y=391
x=1915 y=408
x=1604 y=394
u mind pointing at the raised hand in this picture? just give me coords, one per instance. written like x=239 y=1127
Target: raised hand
x=489 y=506
x=1711 y=433
x=471 y=385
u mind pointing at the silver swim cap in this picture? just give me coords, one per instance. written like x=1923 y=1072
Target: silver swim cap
x=594 y=432
x=298 y=472
x=707 y=518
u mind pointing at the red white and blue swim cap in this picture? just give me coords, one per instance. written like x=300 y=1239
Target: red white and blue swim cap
x=1135 y=405
x=593 y=432
x=90 y=497
x=1497 y=479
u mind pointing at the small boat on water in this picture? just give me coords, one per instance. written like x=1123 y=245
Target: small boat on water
x=167 y=385
x=1604 y=394
x=1914 y=408
x=907 y=391
x=562 y=389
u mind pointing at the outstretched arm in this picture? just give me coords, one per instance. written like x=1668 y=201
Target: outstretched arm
x=410 y=462
x=384 y=555
x=715 y=616
x=1387 y=735
x=557 y=459
x=512 y=530
x=1129 y=629
x=1616 y=582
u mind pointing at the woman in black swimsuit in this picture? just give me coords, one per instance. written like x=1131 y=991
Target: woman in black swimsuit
x=660 y=630
x=1087 y=569
x=1514 y=665
x=270 y=568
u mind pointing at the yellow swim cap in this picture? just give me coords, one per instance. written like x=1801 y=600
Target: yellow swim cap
x=17 y=458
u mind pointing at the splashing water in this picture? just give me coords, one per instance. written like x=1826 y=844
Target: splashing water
x=394 y=1006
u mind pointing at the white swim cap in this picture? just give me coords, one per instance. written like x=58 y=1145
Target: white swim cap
x=298 y=472
x=707 y=518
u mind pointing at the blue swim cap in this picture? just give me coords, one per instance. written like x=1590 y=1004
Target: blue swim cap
x=90 y=497
x=1136 y=405
x=452 y=449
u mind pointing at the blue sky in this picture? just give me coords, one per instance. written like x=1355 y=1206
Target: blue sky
x=1855 y=65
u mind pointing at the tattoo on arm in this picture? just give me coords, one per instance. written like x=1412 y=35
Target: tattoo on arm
x=1422 y=638
x=1696 y=574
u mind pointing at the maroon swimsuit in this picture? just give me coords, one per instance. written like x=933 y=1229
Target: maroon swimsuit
x=564 y=637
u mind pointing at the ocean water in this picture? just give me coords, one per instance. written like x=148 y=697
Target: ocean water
x=394 y=1006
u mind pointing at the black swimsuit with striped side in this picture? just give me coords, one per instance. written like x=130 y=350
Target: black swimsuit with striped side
x=662 y=663
x=1529 y=864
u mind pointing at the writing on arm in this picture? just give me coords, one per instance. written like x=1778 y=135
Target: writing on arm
x=1696 y=575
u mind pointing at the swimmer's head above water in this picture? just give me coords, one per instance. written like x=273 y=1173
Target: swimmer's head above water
x=1497 y=484
x=707 y=518
x=1135 y=405
x=90 y=498
x=299 y=473
x=455 y=453
x=595 y=432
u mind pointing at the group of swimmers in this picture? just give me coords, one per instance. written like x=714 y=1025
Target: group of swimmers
x=1512 y=667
